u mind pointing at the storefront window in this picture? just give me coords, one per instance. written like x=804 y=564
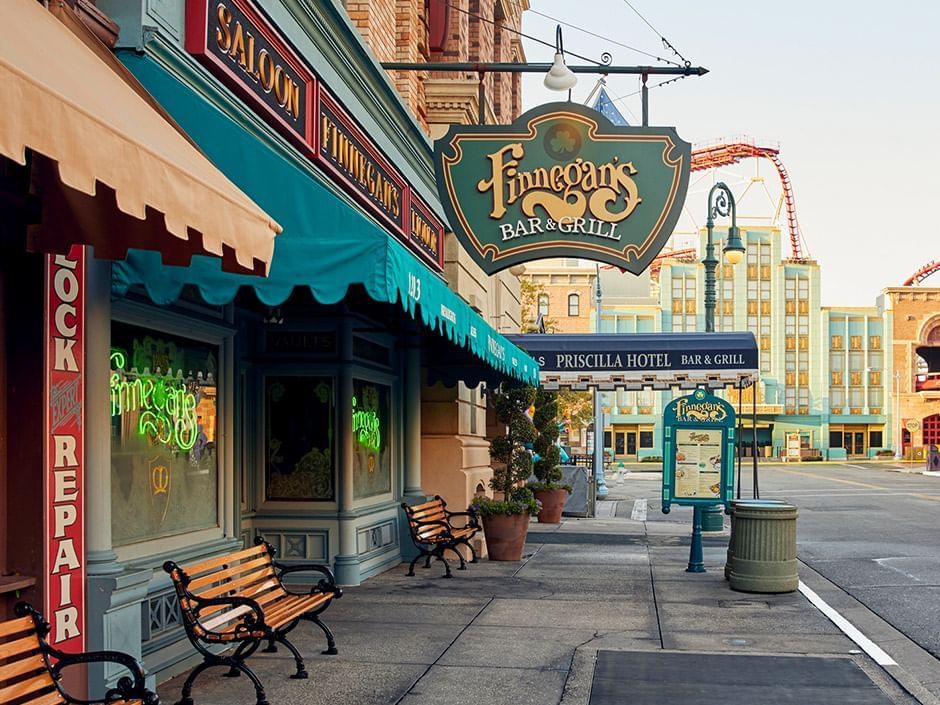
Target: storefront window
x=372 y=463
x=646 y=439
x=164 y=459
x=299 y=436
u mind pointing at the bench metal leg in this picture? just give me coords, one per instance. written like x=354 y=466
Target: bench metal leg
x=473 y=554
x=439 y=553
x=463 y=563
x=411 y=568
x=301 y=673
x=271 y=648
x=262 y=699
x=330 y=640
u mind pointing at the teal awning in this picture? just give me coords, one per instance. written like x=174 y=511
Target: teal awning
x=326 y=244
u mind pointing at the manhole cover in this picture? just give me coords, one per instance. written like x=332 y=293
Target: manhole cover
x=647 y=677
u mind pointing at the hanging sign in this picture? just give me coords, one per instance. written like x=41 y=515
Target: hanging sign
x=698 y=451
x=64 y=483
x=562 y=181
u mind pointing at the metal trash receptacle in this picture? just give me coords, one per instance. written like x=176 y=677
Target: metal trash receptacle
x=763 y=556
x=735 y=503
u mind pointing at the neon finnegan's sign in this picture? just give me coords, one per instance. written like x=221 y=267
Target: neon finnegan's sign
x=165 y=406
x=365 y=427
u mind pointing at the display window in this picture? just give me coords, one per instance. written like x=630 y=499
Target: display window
x=300 y=438
x=371 y=416
x=164 y=429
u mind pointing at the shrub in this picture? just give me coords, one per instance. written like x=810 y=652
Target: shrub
x=652 y=459
x=811 y=458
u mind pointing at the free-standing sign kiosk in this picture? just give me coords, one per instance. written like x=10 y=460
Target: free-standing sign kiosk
x=698 y=459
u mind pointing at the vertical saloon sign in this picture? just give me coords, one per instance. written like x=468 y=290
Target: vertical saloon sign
x=562 y=181
x=64 y=452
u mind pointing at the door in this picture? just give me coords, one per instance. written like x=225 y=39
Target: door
x=631 y=443
x=858 y=442
x=619 y=443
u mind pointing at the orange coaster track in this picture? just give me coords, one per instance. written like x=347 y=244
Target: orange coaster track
x=922 y=273
x=733 y=152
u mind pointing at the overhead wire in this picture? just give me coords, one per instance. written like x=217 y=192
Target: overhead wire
x=520 y=33
x=666 y=43
x=601 y=36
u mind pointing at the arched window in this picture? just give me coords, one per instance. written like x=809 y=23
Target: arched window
x=543 y=304
x=574 y=305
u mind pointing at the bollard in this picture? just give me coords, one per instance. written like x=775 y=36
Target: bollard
x=763 y=556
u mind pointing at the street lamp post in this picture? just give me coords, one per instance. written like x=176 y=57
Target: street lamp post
x=598 y=412
x=720 y=202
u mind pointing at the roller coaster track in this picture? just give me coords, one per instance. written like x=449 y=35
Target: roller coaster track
x=725 y=154
x=922 y=273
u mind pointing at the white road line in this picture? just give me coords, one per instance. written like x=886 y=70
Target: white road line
x=640 y=508
x=849 y=629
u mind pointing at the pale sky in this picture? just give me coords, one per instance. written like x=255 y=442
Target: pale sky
x=849 y=90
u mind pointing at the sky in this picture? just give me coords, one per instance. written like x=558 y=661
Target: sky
x=849 y=90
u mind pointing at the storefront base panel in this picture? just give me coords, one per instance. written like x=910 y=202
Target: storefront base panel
x=114 y=619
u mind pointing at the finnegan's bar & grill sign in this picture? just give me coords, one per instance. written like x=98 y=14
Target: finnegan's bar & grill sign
x=236 y=42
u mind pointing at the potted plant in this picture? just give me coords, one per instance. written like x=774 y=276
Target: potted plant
x=506 y=516
x=548 y=490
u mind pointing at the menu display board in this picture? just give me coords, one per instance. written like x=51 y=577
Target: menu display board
x=698 y=463
x=698 y=451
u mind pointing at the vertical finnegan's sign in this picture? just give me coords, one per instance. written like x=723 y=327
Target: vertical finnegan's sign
x=64 y=492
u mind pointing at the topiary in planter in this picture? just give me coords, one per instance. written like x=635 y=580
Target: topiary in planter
x=549 y=491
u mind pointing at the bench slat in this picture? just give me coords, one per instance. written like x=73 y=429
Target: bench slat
x=19 y=647
x=21 y=667
x=17 y=626
x=54 y=698
x=245 y=582
x=212 y=563
x=258 y=564
x=25 y=687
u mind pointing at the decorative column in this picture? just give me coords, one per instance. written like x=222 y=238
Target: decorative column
x=411 y=437
x=114 y=595
x=346 y=564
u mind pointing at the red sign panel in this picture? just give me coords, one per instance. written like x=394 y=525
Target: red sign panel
x=64 y=483
x=234 y=41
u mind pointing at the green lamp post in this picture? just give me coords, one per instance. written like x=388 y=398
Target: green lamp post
x=720 y=202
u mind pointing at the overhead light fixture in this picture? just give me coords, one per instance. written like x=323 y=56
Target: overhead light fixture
x=559 y=76
x=734 y=250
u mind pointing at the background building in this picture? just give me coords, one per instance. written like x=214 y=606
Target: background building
x=824 y=372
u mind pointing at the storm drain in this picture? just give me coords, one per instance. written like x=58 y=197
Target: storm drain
x=652 y=677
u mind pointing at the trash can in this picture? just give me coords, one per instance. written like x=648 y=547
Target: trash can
x=763 y=555
x=735 y=503
x=713 y=518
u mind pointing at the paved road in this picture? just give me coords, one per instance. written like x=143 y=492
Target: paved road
x=873 y=532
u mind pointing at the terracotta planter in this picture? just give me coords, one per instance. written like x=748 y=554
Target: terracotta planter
x=553 y=502
x=505 y=535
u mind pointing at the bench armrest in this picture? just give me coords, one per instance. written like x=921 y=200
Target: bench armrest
x=252 y=619
x=128 y=688
x=472 y=520
x=327 y=584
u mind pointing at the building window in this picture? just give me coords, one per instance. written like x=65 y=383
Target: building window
x=574 y=305
x=855 y=342
x=874 y=342
x=646 y=439
x=372 y=451
x=543 y=304
x=874 y=377
x=298 y=436
x=856 y=378
x=164 y=431
x=836 y=342
x=875 y=439
x=837 y=378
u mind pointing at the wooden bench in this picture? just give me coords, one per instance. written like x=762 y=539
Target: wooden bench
x=240 y=599
x=31 y=669
x=433 y=532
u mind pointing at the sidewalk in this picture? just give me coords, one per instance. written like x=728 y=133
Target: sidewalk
x=600 y=611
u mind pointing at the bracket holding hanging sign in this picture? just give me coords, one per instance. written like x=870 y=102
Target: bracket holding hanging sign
x=562 y=181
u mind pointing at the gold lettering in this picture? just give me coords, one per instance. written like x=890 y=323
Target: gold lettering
x=237 y=51
x=223 y=37
x=293 y=99
x=501 y=169
x=279 y=92
x=265 y=70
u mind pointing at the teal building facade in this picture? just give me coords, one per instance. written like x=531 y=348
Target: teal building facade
x=824 y=370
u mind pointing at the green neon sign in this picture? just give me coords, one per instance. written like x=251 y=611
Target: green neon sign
x=165 y=406
x=365 y=426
